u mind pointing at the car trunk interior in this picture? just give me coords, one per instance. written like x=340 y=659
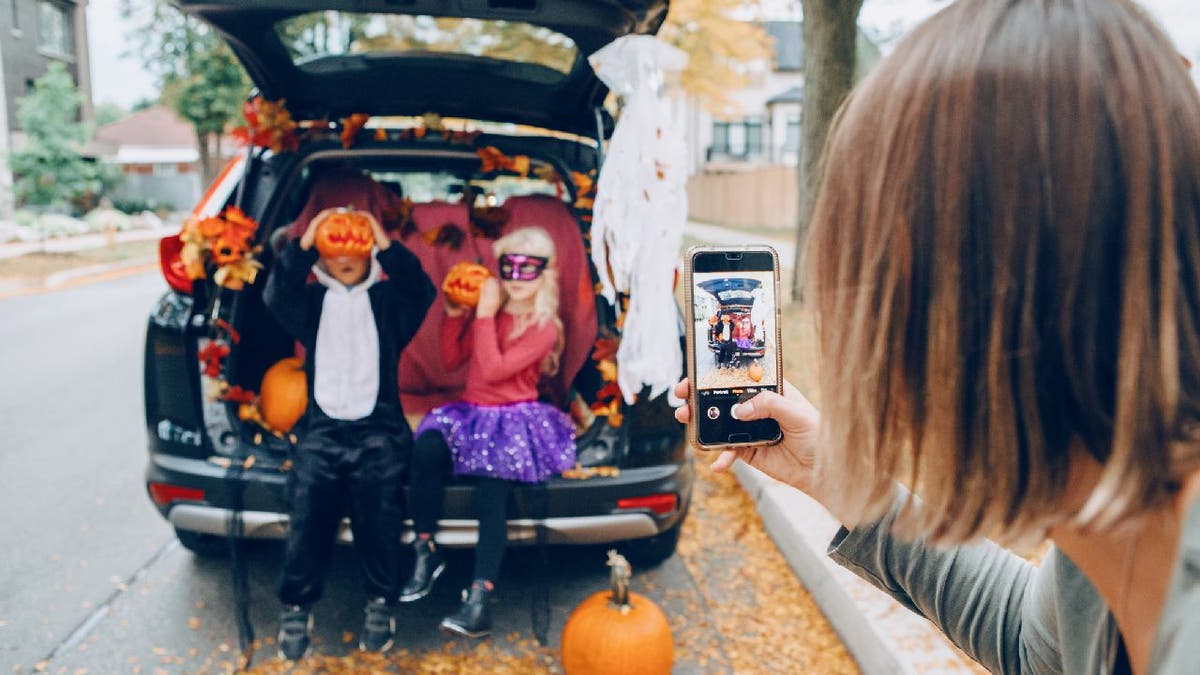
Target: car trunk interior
x=435 y=181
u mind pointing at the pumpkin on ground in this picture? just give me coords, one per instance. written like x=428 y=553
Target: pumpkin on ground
x=463 y=282
x=345 y=233
x=617 y=632
x=756 y=372
x=283 y=396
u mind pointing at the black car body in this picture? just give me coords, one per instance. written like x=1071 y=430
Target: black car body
x=210 y=474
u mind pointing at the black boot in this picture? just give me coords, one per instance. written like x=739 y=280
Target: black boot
x=428 y=565
x=295 y=633
x=474 y=617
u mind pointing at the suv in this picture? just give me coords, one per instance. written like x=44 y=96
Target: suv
x=517 y=70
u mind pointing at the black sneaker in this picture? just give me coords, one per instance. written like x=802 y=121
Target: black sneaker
x=295 y=633
x=428 y=565
x=474 y=617
x=379 y=627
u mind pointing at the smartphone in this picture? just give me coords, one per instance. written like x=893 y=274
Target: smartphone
x=733 y=341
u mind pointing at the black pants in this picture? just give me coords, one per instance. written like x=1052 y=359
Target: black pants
x=339 y=468
x=430 y=467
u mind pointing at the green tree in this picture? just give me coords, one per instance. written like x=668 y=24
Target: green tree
x=107 y=113
x=198 y=75
x=50 y=171
x=830 y=54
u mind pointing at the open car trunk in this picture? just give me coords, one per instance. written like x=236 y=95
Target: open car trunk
x=518 y=61
x=281 y=194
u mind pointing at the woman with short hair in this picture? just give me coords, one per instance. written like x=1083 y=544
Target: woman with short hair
x=1004 y=269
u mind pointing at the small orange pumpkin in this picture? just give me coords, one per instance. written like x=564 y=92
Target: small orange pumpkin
x=463 y=282
x=755 y=372
x=283 y=396
x=345 y=233
x=617 y=632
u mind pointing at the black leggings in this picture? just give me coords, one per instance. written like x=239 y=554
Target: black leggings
x=430 y=466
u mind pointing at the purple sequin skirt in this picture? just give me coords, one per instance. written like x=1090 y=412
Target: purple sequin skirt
x=527 y=442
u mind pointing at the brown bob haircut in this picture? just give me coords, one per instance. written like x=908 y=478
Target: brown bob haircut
x=1004 y=265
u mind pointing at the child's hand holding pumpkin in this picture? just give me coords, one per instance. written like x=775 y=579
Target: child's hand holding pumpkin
x=489 y=299
x=453 y=309
x=309 y=238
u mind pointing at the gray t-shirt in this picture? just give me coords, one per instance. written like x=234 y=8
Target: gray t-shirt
x=1015 y=617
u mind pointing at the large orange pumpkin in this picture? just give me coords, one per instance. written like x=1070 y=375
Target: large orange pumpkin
x=345 y=233
x=283 y=396
x=463 y=282
x=617 y=632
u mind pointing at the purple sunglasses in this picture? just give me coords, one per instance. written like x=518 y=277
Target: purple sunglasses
x=521 y=267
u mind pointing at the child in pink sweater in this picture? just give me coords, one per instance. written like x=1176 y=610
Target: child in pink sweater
x=499 y=432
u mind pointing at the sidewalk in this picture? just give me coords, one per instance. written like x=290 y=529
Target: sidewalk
x=727 y=236
x=84 y=241
x=883 y=636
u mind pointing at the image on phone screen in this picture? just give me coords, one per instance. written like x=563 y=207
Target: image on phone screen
x=735 y=348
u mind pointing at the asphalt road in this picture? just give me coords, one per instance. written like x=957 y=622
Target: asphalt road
x=91 y=577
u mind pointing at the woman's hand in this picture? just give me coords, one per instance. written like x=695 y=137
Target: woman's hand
x=489 y=299
x=792 y=459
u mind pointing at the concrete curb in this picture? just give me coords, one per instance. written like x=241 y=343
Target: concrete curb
x=882 y=636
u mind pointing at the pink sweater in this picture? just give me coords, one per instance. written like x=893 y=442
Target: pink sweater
x=502 y=370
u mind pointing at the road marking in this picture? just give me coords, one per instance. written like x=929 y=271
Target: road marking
x=97 y=615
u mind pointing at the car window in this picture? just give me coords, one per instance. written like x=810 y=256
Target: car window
x=312 y=36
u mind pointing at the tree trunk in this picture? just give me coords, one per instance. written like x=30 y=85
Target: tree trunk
x=207 y=170
x=830 y=42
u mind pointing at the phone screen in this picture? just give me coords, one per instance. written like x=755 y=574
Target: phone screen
x=735 y=348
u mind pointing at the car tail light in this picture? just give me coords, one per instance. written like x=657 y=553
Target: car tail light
x=165 y=493
x=169 y=249
x=660 y=504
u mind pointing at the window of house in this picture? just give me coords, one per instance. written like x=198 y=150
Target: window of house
x=754 y=136
x=720 y=139
x=737 y=139
x=791 y=140
x=54 y=28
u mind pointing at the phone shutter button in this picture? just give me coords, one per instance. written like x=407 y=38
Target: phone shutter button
x=739 y=438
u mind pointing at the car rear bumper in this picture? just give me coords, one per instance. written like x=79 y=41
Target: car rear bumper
x=452 y=533
x=577 y=511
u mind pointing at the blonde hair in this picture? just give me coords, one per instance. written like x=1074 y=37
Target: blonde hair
x=1005 y=267
x=537 y=242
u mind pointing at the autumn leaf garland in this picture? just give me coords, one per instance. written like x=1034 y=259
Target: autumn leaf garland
x=224 y=242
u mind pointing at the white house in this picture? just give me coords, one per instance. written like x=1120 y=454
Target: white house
x=743 y=169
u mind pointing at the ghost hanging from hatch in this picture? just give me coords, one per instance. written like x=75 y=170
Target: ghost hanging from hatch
x=640 y=210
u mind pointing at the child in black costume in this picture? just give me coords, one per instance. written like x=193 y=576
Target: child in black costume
x=355 y=444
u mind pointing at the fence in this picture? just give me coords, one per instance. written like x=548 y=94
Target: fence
x=761 y=196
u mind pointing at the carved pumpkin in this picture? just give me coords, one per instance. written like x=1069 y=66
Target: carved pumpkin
x=345 y=233
x=463 y=282
x=756 y=372
x=617 y=632
x=283 y=396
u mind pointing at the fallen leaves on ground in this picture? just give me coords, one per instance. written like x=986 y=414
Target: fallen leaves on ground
x=767 y=621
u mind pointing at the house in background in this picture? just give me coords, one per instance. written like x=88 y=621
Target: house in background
x=158 y=155
x=33 y=34
x=743 y=170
